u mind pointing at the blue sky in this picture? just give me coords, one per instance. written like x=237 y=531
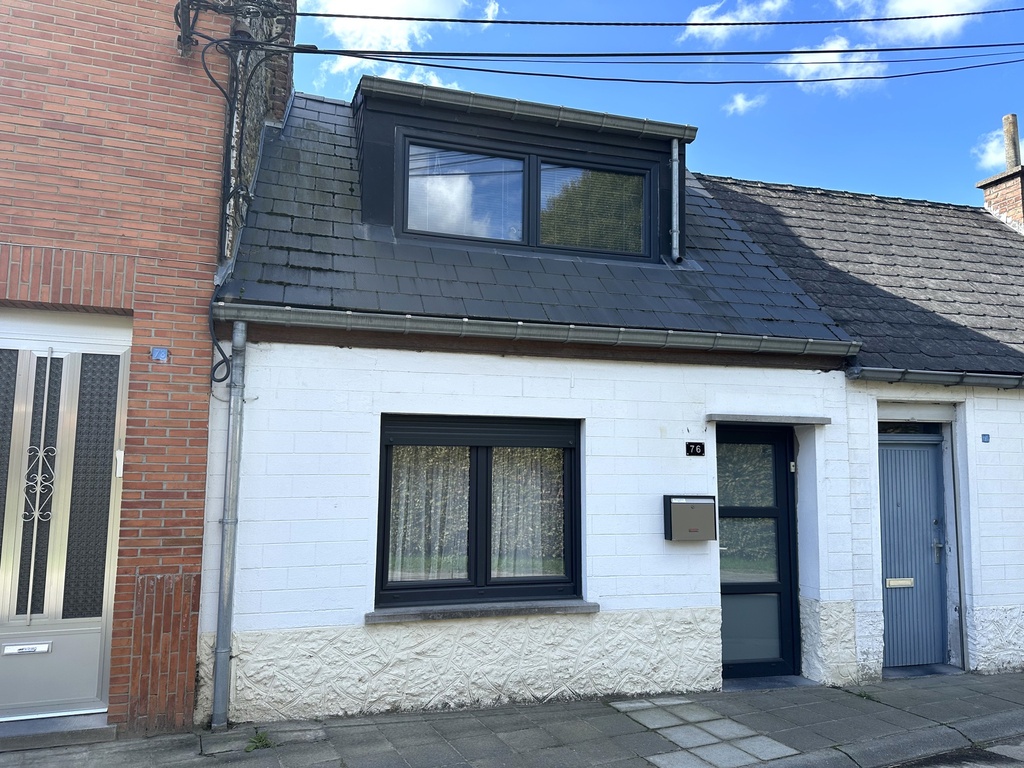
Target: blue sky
x=929 y=137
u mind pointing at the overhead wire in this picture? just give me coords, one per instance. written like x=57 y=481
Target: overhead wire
x=658 y=54
x=662 y=81
x=703 y=62
x=670 y=24
x=798 y=57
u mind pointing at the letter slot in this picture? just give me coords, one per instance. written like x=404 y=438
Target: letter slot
x=690 y=518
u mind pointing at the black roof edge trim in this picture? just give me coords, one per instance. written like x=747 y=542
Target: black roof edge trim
x=531 y=111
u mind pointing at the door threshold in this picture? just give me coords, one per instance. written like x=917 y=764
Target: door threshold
x=919 y=670
x=734 y=684
x=45 y=732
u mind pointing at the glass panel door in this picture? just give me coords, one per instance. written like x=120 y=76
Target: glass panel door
x=757 y=549
x=61 y=425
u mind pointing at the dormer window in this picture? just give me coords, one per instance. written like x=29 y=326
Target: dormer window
x=449 y=169
x=525 y=199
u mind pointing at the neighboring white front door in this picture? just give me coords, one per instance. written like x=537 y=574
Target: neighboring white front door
x=61 y=452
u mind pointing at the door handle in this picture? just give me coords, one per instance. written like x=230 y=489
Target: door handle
x=938 y=547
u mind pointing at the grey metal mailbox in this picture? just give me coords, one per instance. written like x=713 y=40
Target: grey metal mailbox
x=690 y=518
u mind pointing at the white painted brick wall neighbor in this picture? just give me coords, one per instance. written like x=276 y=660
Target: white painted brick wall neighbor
x=989 y=489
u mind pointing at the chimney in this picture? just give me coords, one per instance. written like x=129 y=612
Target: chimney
x=1004 y=192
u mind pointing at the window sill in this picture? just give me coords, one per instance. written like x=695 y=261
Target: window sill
x=479 y=611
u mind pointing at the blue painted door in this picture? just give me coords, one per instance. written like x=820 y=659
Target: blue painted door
x=913 y=545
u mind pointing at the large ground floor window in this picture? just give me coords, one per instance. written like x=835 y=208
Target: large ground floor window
x=478 y=510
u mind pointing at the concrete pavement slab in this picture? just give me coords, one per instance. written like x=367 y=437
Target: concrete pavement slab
x=631 y=705
x=1002 y=725
x=693 y=713
x=823 y=758
x=657 y=717
x=688 y=736
x=724 y=756
x=903 y=747
x=679 y=760
x=803 y=740
x=233 y=740
x=726 y=729
x=764 y=748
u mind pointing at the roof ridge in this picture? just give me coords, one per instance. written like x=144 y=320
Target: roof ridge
x=841 y=192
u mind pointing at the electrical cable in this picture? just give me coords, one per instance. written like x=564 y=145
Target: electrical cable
x=225 y=361
x=434 y=59
x=230 y=190
x=654 y=54
x=706 y=62
x=674 y=24
x=655 y=81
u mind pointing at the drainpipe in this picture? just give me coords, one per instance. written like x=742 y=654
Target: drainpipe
x=677 y=257
x=229 y=532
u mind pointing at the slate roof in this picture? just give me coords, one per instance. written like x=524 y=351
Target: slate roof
x=923 y=285
x=303 y=246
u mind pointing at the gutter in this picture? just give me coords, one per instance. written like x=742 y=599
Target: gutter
x=511 y=330
x=942 y=378
x=530 y=111
x=229 y=533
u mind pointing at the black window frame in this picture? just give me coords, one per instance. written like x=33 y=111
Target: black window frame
x=382 y=124
x=533 y=158
x=481 y=435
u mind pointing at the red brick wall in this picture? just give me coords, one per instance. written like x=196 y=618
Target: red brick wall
x=110 y=147
x=1003 y=196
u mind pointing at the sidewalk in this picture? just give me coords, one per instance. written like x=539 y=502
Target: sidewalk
x=798 y=726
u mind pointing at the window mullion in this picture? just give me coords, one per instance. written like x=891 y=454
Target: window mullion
x=479 y=516
x=531 y=200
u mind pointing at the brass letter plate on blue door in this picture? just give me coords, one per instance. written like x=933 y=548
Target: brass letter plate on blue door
x=899 y=583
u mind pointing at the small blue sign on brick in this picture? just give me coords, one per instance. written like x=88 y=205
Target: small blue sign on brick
x=159 y=354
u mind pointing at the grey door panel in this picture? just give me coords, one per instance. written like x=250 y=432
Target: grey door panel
x=913 y=562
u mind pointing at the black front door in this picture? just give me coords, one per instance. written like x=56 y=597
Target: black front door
x=757 y=539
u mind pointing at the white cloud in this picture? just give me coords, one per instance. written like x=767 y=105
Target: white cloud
x=765 y=10
x=819 y=62
x=920 y=30
x=492 y=10
x=380 y=35
x=866 y=7
x=740 y=104
x=990 y=151
x=418 y=75
x=928 y=30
